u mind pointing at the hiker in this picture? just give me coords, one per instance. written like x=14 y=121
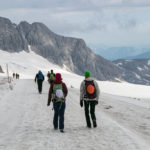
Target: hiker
x=39 y=78
x=48 y=76
x=51 y=77
x=13 y=75
x=57 y=94
x=17 y=76
x=89 y=95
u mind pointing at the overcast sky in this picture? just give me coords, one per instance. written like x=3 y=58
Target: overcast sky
x=98 y=22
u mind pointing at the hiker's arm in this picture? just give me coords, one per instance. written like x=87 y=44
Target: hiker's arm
x=35 y=78
x=82 y=90
x=49 y=95
x=65 y=90
x=97 y=90
x=43 y=77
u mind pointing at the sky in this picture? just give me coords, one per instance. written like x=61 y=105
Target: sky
x=99 y=22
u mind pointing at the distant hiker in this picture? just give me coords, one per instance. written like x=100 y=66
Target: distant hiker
x=48 y=76
x=13 y=75
x=39 y=78
x=51 y=77
x=89 y=95
x=57 y=94
x=17 y=76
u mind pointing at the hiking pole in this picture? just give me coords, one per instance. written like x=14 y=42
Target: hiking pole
x=7 y=73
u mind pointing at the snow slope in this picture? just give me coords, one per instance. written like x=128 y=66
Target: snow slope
x=26 y=122
x=28 y=64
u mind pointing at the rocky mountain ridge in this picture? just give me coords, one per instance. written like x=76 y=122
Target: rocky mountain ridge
x=64 y=51
x=68 y=51
x=136 y=70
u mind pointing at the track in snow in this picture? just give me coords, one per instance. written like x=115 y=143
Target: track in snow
x=26 y=123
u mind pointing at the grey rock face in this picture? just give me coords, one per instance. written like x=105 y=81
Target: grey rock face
x=135 y=71
x=10 y=38
x=71 y=52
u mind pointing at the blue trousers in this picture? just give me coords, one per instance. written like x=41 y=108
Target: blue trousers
x=59 y=111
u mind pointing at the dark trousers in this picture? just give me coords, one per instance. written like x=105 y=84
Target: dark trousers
x=39 y=82
x=90 y=104
x=59 y=111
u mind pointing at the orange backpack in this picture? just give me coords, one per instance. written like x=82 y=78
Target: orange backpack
x=90 y=89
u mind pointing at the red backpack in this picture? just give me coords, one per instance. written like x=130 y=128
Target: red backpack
x=90 y=89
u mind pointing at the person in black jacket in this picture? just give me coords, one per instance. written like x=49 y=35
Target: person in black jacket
x=39 y=78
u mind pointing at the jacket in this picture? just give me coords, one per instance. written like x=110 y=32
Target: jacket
x=64 y=89
x=37 y=77
x=83 y=90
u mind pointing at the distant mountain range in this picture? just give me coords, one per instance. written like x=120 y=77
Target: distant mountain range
x=114 y=53
x=65 y=51
x=140 y=56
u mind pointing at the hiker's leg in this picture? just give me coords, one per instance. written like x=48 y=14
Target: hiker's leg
x=55 y=119
x=61 y=115
x=92 y=112
x=40 y=86
x=38 y=83
x=86 y=108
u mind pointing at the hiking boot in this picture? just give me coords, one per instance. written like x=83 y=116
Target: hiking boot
x=61 y=130
x=94 y=124
x=88 y=126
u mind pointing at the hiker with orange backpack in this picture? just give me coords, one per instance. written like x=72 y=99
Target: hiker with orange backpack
x=57 y=93
x=89 y=95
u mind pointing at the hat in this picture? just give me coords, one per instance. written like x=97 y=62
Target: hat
x=58 y=77
x=87 y=74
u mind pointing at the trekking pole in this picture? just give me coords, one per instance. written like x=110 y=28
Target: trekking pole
x=7 y=73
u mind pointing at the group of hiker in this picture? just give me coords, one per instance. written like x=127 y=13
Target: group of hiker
x=15 y=75
x=89 y=96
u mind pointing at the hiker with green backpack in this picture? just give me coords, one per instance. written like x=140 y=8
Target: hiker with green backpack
x=57 y=94
x=51 y=77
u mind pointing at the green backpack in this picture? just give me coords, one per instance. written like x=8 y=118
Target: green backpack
x=58 y=92
x=51 y=77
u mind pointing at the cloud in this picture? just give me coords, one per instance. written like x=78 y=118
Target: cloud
x=125 y=21
x=73 y=5
x=92 y=20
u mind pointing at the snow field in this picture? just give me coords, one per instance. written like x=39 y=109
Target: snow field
x=26 y=122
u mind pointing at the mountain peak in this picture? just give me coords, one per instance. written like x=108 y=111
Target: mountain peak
x=4 y=20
